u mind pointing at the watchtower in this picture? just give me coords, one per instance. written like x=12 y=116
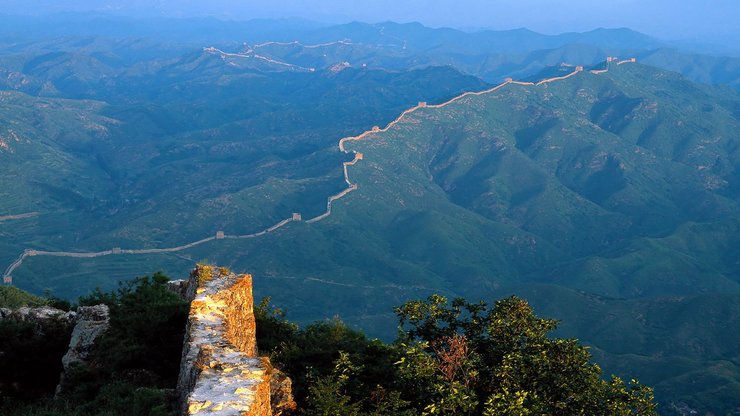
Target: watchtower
x=8 y=280
x=579 y=68
x=116 y=250
x=376 y=129
x=220 y=235
x=633 y=60
x=508 y=79
x=296 y=216
x=422 y=104
x=358 y=156
x=611 y=58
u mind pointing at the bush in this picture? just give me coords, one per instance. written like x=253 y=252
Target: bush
x=11 y=297
x=130 y=369
x=451 y=358
x=31 y=358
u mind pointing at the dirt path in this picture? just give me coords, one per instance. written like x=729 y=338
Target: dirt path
x=370 y=287
x=7 y=276
x=18 y=216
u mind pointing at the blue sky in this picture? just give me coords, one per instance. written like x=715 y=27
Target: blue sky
x=673 y=19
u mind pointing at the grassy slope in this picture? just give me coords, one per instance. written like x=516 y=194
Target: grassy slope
x=12 y=297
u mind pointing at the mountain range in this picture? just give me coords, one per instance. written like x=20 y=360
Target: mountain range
x=608 y=196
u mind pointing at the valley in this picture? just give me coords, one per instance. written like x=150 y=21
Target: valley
x=351 y=168
x=8 y=278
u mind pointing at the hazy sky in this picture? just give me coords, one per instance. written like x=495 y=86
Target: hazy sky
x=673 y=19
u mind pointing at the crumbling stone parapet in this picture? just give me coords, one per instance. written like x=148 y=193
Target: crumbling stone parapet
x=220 y=372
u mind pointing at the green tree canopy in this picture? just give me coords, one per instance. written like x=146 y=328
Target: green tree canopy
x=469 y=359
x=450 y=358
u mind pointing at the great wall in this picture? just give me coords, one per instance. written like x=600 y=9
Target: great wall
x=251 y=52
x=7 y=275
x=18 y=216
x=221 y=372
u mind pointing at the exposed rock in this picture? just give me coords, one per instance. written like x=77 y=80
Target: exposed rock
x=178 y=287
x=40 y=317
x=92 y=322
x=339 y=67
x=220 y=373
x=281 y=393
x=86 y=326
x=37 y=315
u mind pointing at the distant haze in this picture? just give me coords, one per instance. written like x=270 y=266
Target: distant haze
x=714 y=20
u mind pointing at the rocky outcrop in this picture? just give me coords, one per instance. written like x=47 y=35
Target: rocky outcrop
x=281 y=393
x=38 y=316
x=179 y=287
x=86 y=325
x=220 y=373
x=92 y=322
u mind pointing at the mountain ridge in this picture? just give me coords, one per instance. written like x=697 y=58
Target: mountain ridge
x=488 y=176
x=7 y=275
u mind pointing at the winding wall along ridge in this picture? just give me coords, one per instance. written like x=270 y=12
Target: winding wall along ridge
x=7 y=276
x=297 y=43
x=252 y=51
x=252 y=54
x=18 y=216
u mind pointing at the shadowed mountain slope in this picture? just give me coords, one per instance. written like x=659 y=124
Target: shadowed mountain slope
x=591 y=195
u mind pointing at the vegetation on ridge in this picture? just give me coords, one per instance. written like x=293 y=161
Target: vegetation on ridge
x=450 y=358
x=132 y=367
x=11 y=297
x=619 y=192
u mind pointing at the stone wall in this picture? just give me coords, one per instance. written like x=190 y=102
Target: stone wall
x=38 y=315
x=91 y=324
x=220 y=373
x=86 y=326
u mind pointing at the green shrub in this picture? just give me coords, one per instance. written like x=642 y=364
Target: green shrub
x=31 y=358
x=451 y=358
x=11 y=297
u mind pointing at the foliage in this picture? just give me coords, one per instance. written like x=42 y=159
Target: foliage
x=273 y=330
x=147 y=328
x=313 y=355
x=31 y=357
x=114 y=399
x=574 y=180
x=468 y=359
x=454 y=357
x=131 y=367
x=333 y=394
x=11 y=297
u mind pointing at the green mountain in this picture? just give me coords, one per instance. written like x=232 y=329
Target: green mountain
x=701 y=68
x=110 y=164
x=73 y=48
x=607 y=198
x=610 y=200
x=597 y=167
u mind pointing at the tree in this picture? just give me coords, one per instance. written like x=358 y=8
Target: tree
x=469 y=359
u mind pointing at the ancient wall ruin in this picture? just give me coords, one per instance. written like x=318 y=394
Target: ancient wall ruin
x=220 y=372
